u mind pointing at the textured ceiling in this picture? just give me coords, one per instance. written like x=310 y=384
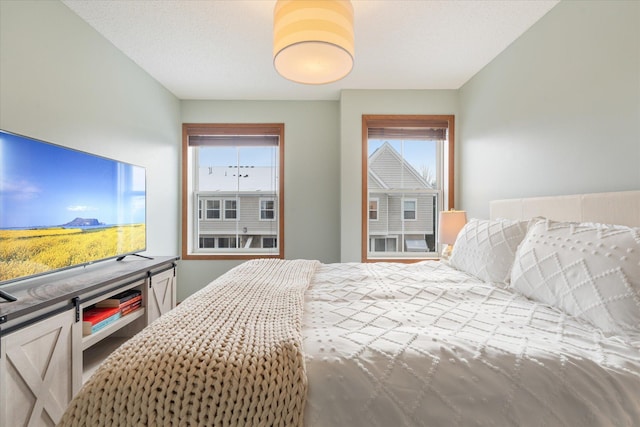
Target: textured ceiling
x=217 y=49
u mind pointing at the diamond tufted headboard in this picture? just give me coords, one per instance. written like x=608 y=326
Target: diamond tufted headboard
x=609 y=208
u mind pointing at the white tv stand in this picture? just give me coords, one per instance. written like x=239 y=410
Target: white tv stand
x=44 y=358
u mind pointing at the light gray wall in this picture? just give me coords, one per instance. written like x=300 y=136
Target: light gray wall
x=311 y=157
x=62 y=82
x=353 y=104
x=558 y=112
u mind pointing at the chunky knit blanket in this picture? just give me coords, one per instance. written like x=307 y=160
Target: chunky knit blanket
x=229 y=355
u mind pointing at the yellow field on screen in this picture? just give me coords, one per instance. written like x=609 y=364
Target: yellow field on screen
x=29 y=252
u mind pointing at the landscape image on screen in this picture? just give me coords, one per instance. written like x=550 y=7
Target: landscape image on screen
x=61 y=208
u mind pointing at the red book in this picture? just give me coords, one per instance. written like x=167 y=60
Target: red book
x=122 y=306
x=135 y=300
x=121 y=299
x=95 y=315
x=132 y=307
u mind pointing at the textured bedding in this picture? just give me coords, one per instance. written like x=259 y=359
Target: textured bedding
x=228 y=355
x=427 y=345
x=294 y=343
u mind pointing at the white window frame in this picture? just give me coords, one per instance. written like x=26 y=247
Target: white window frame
x=236 y=209
x=205 y=209
x=207 y=237
x=405 y=210
x=387 y=241
x=262 y=209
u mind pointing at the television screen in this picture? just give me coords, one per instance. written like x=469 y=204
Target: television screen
x=62 y=208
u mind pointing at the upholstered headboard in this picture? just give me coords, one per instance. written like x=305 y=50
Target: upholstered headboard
x=609 y=208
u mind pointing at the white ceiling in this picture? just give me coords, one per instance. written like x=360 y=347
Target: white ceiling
x=222 y=49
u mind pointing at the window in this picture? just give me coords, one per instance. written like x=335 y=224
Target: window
x=373 y=209
x=383 y=244
x=409 y=209
x=269 y=242
x=232 y=191
x=230 y=209
x=227 y=242
x=212 y=209
x=267 y=210
x=407 y=179
x=207 y=242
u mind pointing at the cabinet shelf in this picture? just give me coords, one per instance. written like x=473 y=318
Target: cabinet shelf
x=94 y=356
x=52 y=336
x=96 y=337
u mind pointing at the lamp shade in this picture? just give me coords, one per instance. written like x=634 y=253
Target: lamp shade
x=450 y=224
x=313 y=40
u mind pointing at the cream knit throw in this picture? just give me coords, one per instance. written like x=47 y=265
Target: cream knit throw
x=229 y=355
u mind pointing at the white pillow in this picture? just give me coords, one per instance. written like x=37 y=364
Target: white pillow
x=486 y=248
x=591 y=271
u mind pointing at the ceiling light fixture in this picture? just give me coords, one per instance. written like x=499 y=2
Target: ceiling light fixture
x=313 y=40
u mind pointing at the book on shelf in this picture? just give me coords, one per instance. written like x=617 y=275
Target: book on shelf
x=122 y=299
x=96 y=318
x=95 y=328
x=131 y=307
x=128 y=303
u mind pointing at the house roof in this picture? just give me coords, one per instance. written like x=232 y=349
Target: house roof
x=384 y=164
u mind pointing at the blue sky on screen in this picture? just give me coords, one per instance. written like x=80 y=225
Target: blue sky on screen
x=46 y=185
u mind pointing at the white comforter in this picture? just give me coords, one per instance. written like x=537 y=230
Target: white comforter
x=424 y=344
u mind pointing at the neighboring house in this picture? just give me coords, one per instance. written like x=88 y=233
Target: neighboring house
x=401 y=205
x=237 y=207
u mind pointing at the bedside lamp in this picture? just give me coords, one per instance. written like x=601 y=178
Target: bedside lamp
x=450 y=224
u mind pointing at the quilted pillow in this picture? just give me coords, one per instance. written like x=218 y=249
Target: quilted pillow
x=486 y=248
x=590 y=271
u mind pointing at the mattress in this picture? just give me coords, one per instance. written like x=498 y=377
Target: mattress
x=424 y=344
x=275 y=342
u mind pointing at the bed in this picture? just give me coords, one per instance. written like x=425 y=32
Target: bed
x=534 y=320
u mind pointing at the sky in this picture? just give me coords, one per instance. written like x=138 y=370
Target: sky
x=243 y=156
x=419 y=154
x=43 y=184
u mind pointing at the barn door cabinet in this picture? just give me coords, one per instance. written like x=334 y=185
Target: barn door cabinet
x=162 y=294
x=44 y=357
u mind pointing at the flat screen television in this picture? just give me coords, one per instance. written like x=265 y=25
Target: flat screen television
x=62 y=208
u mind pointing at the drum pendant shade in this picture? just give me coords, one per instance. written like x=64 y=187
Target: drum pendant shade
x=313 y=41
